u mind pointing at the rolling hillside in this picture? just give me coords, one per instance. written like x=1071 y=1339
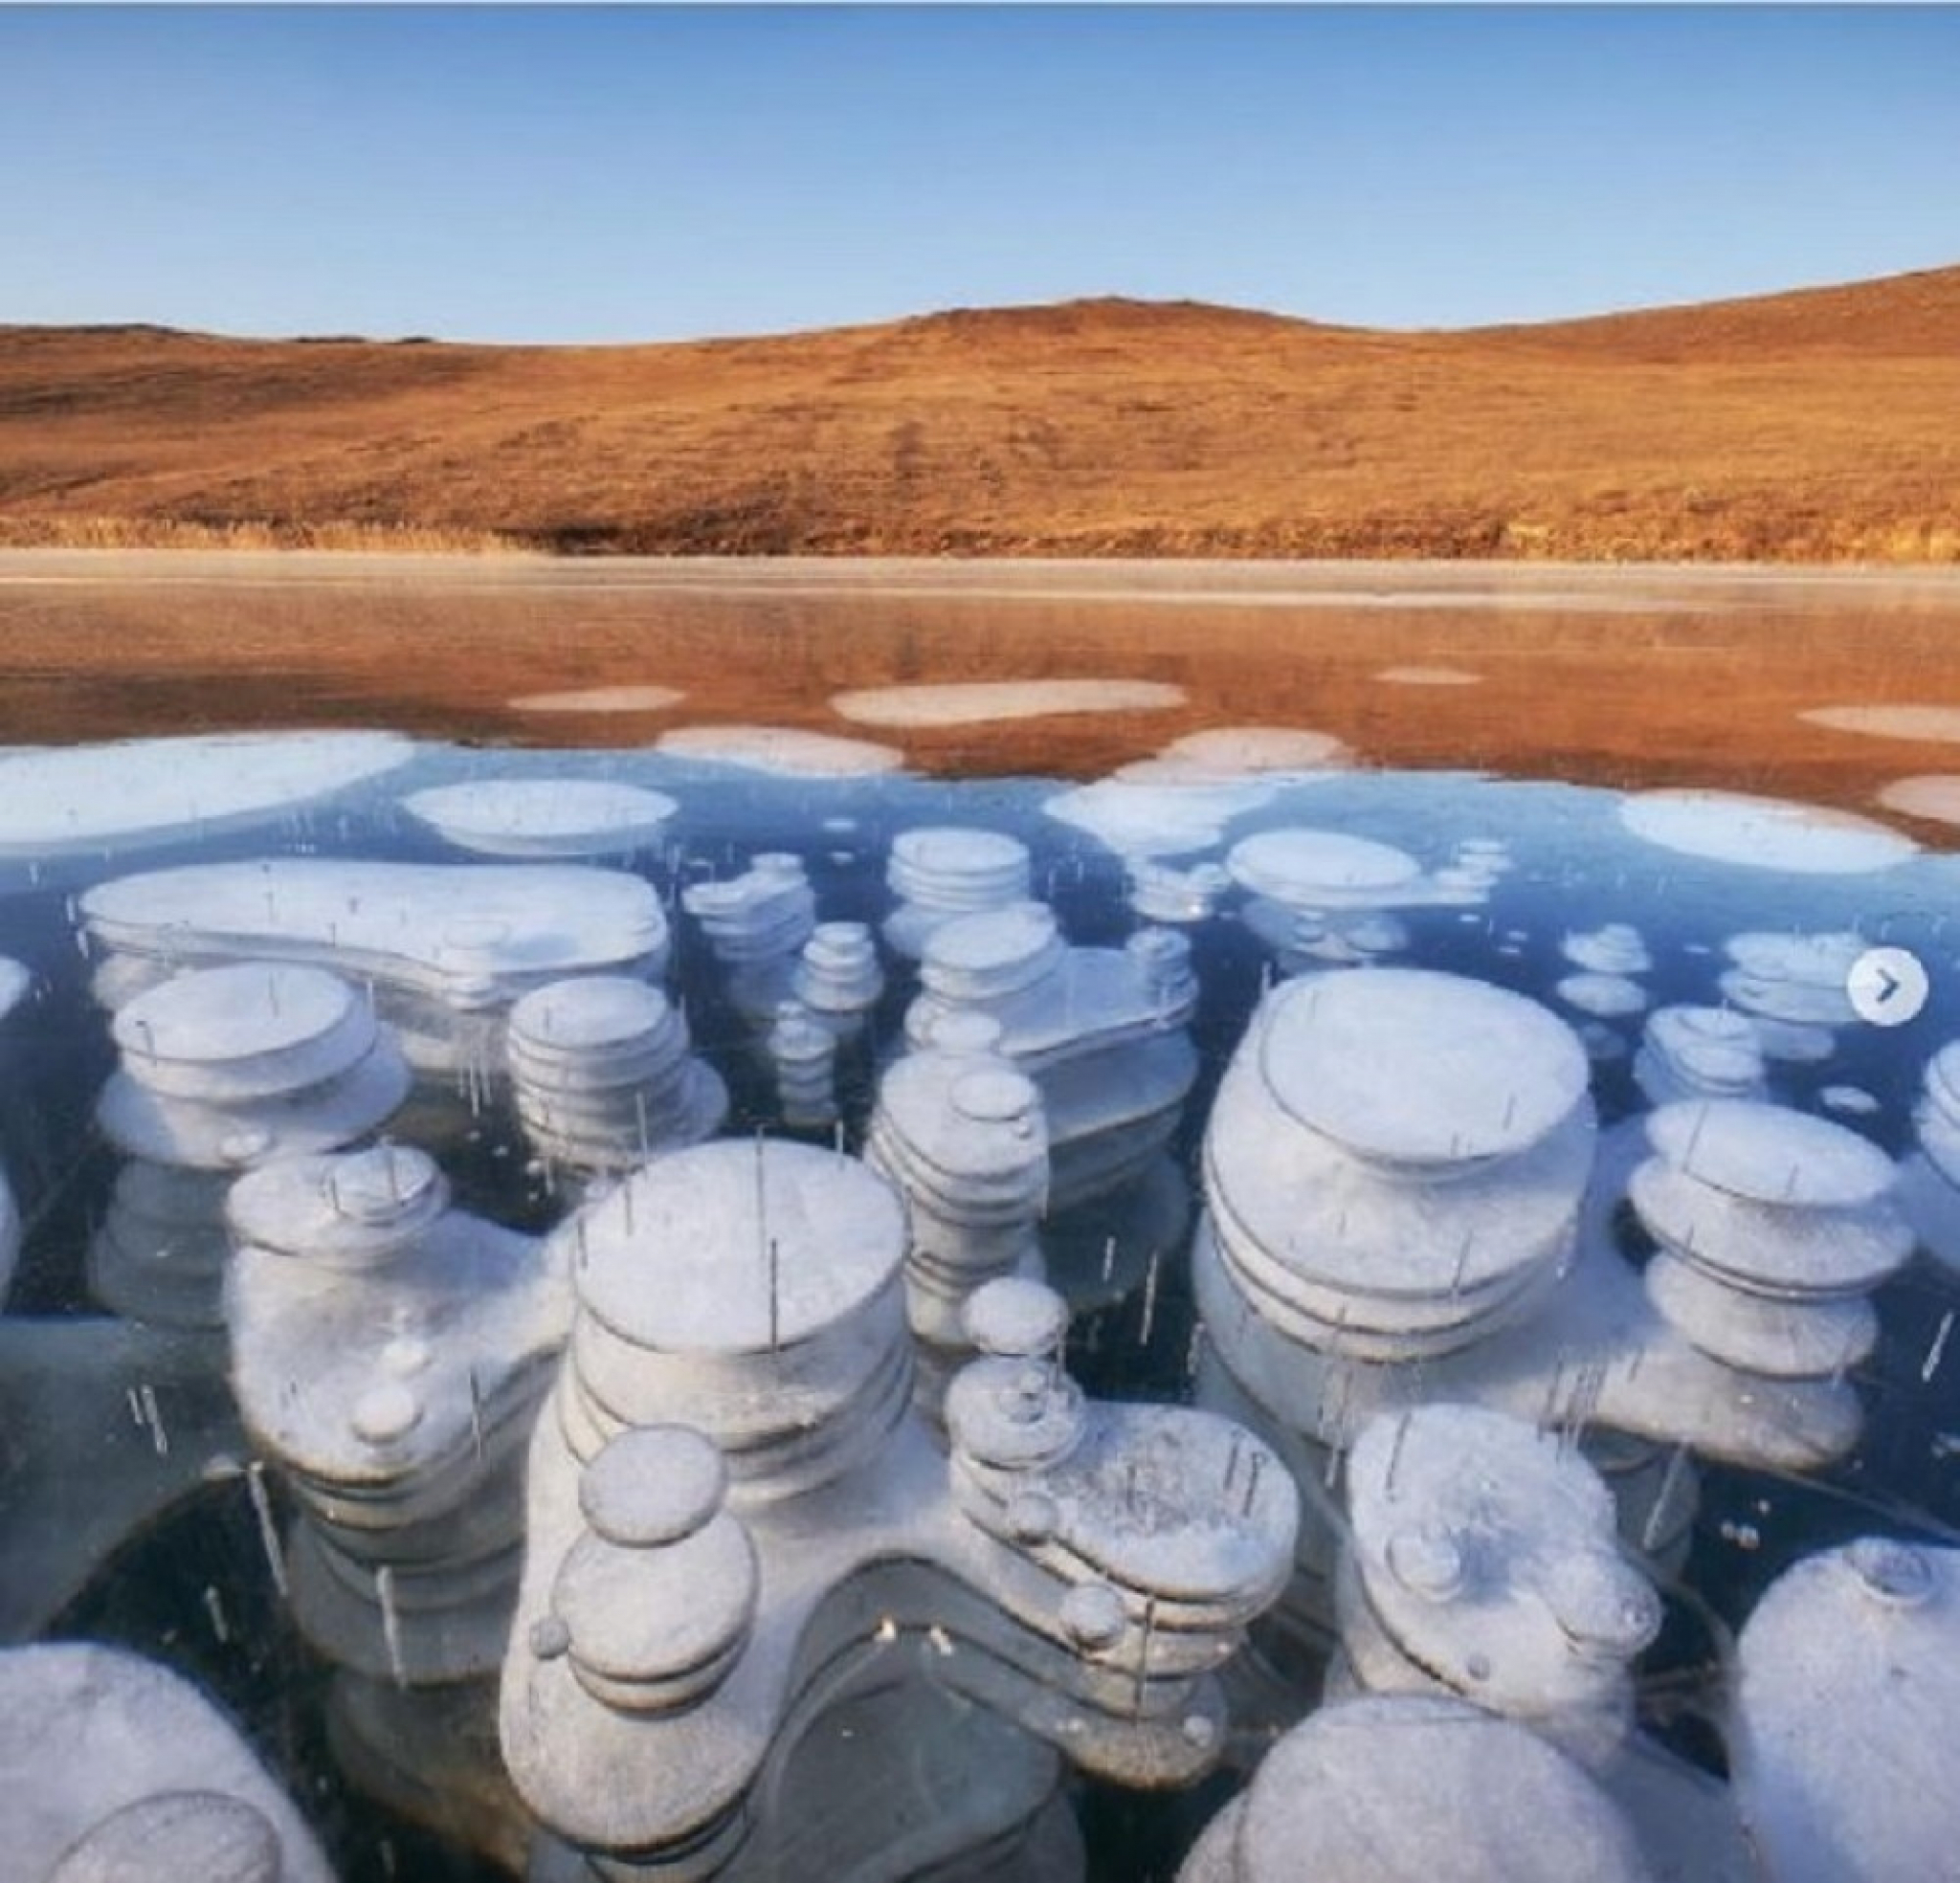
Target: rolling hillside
x=1811 y=426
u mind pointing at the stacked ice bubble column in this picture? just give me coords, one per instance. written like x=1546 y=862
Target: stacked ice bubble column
x=603 y=1076
x=1103 y=1031
x=1699 y=1052
x=1482 y=1561
x=1079 y=1568
x=1359 y=1219
x=1408 y=1788
x=1145 y=1537
x=1160 y=893
x=1609 y=963
x=388 y=1354
x=222 y=1071
x=748 y=1288
x=1604 y=988
x=1322 y=898
x=1772 y=1228
x=834 y=986
x=1839 y=1728
x=939 y=871
x=1929 y=1180
x=838 y=979
x=1793 y=987
x=1397 y=1224
x=1398 y=1172
x=756 y=925
x=445 y=949
x=961 y=1135
x=114 y=1769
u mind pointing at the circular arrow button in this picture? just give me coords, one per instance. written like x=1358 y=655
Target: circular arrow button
x=1887 y=986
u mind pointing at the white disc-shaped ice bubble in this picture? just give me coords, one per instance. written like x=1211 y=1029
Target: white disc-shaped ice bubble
x=628 y=699
x=653 y=1485
x=1819 y=960
x=664 y=1618
x=952 y=854
x=1770 y=1154
x=977 y=702
x=89 y=1734
x=992 y=947
x=1488 y=1549
x=1157 y=814
x=1416 y=1790
x=206 y=1834
x=1412 y=1067
x=786 y=751
x=1232 y=751
x=1934 y=798
x=344 y=1209
x=1780 y=1339
x=1764 y=833
x=441 y=928
x=590 y=1012
x=739 y=1248
x=1356 y=1245
x=154 y=790
x=1851 y=1101
x=1942 y=1079
x=209 y=1020
x=15 y=980
x=1604 y=996
x=1842 y=1730
x=1301 y=866
x=1929 y=724
x=542 y=816
x=1617 y=948
x=1677 y=1028
x=1768 y=1246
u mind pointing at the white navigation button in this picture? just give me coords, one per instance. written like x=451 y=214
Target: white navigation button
x=1887 y=986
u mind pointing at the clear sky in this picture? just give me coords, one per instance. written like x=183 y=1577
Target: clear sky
x=566 y=173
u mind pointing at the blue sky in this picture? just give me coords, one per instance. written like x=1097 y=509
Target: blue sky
x=564 y=173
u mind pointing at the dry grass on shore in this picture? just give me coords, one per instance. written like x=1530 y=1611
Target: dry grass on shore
x=1810 y=427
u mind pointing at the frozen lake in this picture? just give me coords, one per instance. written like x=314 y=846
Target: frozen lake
x=1620 y=1110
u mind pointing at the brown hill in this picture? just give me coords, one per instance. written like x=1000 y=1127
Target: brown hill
x=1816 y=425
